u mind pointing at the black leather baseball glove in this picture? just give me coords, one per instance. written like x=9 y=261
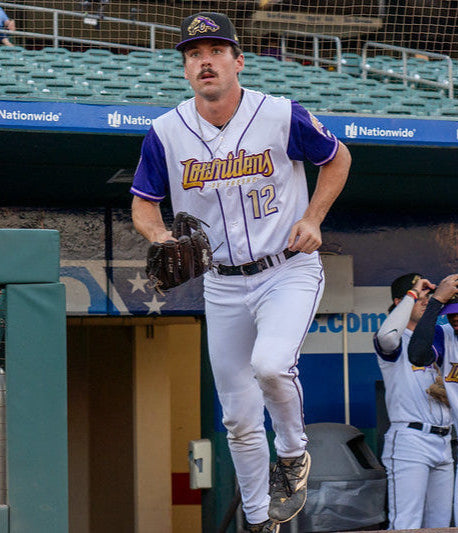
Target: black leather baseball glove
x=171 y=263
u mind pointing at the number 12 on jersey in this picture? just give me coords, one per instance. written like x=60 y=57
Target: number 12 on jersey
x=262 y=201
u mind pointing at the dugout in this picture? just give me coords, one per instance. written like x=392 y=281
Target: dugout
x=399 y=208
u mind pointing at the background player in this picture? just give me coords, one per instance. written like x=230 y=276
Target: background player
x=432 y=342
x=417 y=451
x=234 y=158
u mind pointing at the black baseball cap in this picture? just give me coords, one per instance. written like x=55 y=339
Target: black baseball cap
x=401 y=285
x=207 y=25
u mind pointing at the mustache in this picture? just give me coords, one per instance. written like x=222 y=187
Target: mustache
x=207 y=70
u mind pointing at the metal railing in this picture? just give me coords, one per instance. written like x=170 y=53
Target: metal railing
x=404 y=75
x=317 y=38
x=57 y=38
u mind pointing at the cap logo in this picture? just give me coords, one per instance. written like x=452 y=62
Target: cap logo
x=415 y=279
x=202 y=25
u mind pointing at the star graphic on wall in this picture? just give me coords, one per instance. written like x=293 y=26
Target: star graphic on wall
x=138 y=284
x=154 y=306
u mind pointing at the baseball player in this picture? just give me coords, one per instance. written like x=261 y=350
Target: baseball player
x=417 y=451
x=434 y=343
x=234 y=158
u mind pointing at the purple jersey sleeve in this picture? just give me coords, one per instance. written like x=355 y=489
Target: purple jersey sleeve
x=309 y=139
x=151 y=180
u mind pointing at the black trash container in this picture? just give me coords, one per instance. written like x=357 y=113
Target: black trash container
x=346 y=486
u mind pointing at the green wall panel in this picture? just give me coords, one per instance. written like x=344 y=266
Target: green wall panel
x=36 y=415
x=29 y=256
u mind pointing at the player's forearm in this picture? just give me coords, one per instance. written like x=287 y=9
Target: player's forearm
x=420 y=347
x=331 y=181
x=147 y=219
x=390 y=333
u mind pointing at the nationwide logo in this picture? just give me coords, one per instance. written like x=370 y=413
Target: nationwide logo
x=117 y=119
x=42 y=116
x=352 y=131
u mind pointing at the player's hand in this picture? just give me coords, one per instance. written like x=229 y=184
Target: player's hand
x=423 y=286
x=447 y=288
x=305 y=236
x=163 y=236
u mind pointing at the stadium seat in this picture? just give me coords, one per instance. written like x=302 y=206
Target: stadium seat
x=339 y=76
x=79 y=93
x=364 y=104
x=342 y=107
x=54 y=51
x=17 y=91
x=281 y=91
x=351 y=63
x=8 y=81
x=137 y=95
x=396 y=109
x=312 y=103
x=347 y=88
x=98 y=52
x=111 y=67
x=11 y=50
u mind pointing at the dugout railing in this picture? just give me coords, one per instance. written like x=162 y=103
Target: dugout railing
x=447 y=84
x=57 y=38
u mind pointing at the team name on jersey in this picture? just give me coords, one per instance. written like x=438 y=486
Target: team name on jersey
x=452 y=376
x=197 y=173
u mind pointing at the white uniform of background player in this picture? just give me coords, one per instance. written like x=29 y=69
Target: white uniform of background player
x=438 y=343
x=246 y=180
x=417 y=451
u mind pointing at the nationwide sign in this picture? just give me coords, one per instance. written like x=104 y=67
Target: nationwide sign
x=137 y=119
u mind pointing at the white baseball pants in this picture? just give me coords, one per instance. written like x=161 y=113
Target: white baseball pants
x=419 y=467
x=256 y=327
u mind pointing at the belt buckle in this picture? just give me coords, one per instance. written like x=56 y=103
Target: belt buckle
x=257 y=264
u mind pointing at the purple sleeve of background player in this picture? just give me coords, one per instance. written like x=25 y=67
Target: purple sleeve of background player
x=309 y=139
x=151 y=180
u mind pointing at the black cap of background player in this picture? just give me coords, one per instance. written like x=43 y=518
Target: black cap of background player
x=401 y=285
x=207 y=25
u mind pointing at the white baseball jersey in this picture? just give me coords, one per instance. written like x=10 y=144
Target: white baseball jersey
x=247 y=181
x=405 y=388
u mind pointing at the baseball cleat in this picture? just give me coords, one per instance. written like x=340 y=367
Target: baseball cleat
x=269 y=526
x=288 y=487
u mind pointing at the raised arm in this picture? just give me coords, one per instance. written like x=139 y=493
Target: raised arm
x=305 y=235
x=420 y=349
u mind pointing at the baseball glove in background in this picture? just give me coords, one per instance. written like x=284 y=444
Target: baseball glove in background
x=171 y=263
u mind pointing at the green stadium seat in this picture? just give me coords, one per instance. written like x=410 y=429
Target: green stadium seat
x=339 y=76
x=129 y=76
x=383 y=98
x=281 y=91
x=11 y=50
x=253 y=85
x=8 y=81
x=142 y=54
x=173 y=89
x=137 y=95
x=364 y=104
x=115 y=87
x=96 y=79
x=312 y=102
x=111 y=68
x=98 y=52
x=448 y=112
x=18 y=91
x=79 y=93
x=55 y=51
x=342 y=107
x=347 y=88
x=351 y=63
x=56 y=87
x=397 y=109
x=418 y=106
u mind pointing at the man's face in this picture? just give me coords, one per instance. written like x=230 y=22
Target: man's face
x=453 y=320
x=211 y=68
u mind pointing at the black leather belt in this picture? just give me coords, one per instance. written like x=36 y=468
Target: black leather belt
x=437 y=430
x=249 y=269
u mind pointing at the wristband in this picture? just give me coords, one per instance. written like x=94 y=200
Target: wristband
x=413 y=293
